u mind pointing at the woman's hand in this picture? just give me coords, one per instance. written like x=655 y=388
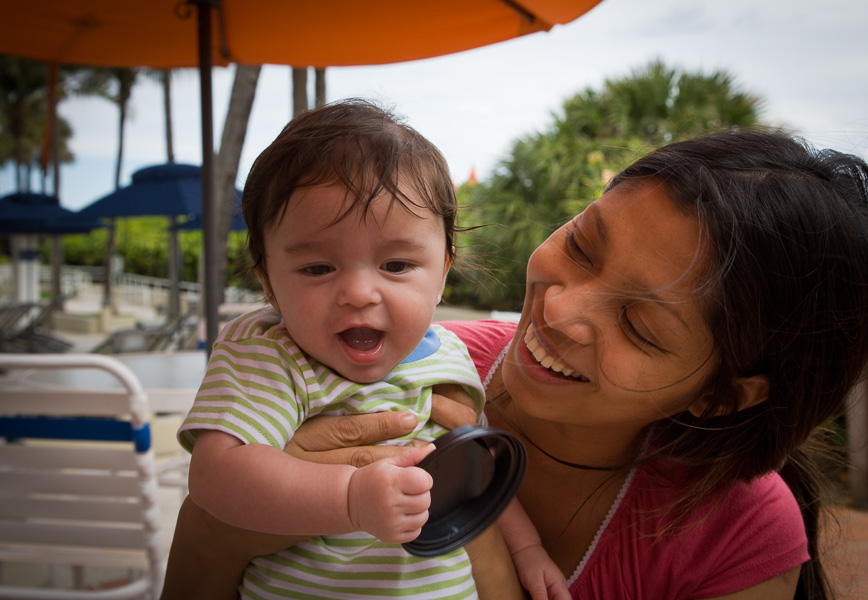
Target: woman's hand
x=344 y=440
x=452 y=407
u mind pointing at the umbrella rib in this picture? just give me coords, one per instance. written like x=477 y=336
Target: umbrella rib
x=520 y=11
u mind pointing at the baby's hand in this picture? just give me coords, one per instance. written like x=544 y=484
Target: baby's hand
x=539 y=575
x=390 y=497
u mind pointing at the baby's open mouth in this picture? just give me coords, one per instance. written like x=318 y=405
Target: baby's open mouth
x=361 y=338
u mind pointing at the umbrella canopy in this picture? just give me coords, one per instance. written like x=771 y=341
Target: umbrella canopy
x=237 y=224
x=23 y=216
x=162 y=33
x=169 y=189
x=23 y=213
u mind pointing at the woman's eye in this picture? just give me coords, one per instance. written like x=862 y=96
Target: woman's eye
x=318 y=270
x=575 y=248
x=396 y=266
x=632 y=333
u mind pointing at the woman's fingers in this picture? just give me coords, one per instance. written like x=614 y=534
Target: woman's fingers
x=347 y=440
x=343 y=440
x=452 y=412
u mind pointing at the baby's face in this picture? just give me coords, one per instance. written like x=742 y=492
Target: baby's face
x=357 y=294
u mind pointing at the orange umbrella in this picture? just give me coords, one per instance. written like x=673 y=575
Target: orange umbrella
x=321 y=33
x=324 y=33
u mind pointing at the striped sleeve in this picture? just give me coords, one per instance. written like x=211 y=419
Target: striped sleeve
x=253 y=386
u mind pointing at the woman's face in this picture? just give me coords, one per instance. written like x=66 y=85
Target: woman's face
x=611 y=333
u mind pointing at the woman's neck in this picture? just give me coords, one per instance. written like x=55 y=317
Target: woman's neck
x=570 y=484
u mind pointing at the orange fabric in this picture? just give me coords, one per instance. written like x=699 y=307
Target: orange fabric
x=155 y=33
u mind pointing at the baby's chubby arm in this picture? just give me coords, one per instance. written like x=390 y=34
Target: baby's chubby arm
x=538 y=573
x=257 y=487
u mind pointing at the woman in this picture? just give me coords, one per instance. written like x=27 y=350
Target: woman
x=680 y=343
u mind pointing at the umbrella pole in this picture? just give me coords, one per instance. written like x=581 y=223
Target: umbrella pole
x=209 y=295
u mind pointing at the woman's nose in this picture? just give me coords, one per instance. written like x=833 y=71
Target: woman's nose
x=358 y=288
x=572 y=311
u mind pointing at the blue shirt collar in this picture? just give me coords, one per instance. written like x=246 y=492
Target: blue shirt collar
x=428 y=346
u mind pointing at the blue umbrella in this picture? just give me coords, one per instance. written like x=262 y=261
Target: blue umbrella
x=29 y=214
x=170 y=189
x=237 y=224
x=26 y=212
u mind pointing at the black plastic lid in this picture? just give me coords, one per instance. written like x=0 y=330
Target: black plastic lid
x=476 y=471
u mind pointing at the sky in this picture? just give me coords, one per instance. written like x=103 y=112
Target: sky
x=807 y=60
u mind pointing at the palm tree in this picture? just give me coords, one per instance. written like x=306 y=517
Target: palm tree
x=550 y=176
x=166 y=79
x=24 y=106
x=299 y=90
x=229 y=156
x=125 y=79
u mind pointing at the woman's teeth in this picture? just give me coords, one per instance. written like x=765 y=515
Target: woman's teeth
x=549 y=362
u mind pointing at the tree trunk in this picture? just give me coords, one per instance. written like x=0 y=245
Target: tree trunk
x=320 y=87
x=110 y=246
x=226 y=166
x=299 y=90
x=126 y=78
x=122 y=109
x=167 y=108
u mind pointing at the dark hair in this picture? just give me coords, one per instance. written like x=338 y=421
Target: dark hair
x=786 y=296
x=354 y=142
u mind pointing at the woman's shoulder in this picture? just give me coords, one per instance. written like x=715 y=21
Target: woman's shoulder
x=733 y=540
x=485 y=339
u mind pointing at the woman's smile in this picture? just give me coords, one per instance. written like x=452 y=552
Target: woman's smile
x=546 y=360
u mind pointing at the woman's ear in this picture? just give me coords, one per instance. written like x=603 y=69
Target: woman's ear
x=751 y=391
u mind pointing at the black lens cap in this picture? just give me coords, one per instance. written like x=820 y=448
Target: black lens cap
x=476 y=471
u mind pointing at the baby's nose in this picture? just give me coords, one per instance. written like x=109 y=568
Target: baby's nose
x=358 y=288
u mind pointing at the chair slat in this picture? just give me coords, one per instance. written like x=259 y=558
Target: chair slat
x=73 y=555
x=62 y=455
x=81 y=483
x=72 y=535
x=91 y=403
x=66 y=508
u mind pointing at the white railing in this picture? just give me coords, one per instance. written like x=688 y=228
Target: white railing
x=85 y=283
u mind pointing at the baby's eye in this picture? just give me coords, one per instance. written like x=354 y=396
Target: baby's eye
x=318 y=270
x=396 y=266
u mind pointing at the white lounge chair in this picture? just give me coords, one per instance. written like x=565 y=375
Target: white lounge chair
x=78 y=479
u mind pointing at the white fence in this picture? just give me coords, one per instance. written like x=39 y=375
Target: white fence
x=84 y=284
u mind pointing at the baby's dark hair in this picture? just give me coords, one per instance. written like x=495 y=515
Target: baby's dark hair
x=786 y=296
x=358 y=144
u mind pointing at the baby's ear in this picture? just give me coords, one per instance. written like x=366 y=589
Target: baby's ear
x=266 y=287
x=751 y=391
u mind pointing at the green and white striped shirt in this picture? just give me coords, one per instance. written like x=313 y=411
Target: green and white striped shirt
x=260 y=386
